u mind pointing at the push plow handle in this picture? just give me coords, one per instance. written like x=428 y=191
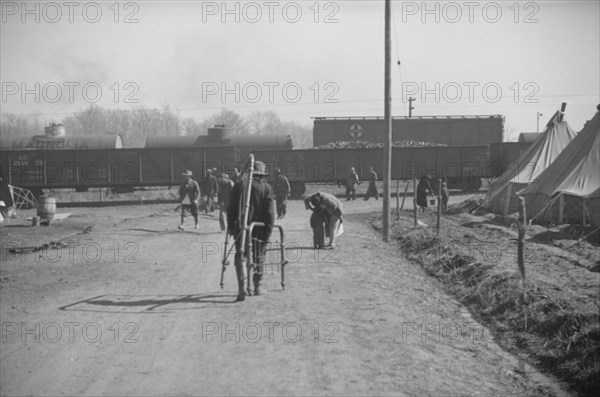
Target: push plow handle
x=283 y=260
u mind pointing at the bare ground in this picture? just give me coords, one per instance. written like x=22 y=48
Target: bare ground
x=132 y=306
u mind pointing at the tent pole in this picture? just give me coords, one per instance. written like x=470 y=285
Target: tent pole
x=507 y=199
x=583 y=212
x=561 y=208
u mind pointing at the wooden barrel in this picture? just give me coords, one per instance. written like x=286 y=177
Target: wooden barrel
x=46 y=207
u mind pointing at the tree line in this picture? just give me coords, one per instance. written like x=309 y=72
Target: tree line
x=137 y=124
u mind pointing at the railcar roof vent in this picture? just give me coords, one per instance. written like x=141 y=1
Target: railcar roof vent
x=55 y=130
x=217 y=133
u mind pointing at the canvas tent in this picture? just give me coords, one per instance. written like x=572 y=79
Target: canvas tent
x=501 y=197
x=568 y=191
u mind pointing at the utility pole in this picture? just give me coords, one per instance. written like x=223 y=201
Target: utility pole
x=387 y=143
x=410 y=106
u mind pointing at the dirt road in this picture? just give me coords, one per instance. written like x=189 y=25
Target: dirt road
x=131 y=306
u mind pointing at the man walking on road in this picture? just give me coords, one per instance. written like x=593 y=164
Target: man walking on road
x=223 y=198
x=351 y=183
x=282 y=193
x=261 y=210
x=189 y=189
x=372 y=189
x=210 y=189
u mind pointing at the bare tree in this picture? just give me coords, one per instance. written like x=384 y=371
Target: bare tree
x=233 y=121
x=264 y=122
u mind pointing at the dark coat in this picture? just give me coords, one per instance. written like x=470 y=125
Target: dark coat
x=210 y=186
x=282 y=188
x=190 y=189
x=262 y=208
x=422 y=188
x=225 y=189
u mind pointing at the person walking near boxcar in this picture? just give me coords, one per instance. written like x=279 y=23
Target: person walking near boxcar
x=372 y=189
x=422 y=189
x=351 y=183
x=282 y=193
x=261 y=210
x=189 y=190
x=223 y=198
x=332 y=210
x=445 y=196
x=210 y=189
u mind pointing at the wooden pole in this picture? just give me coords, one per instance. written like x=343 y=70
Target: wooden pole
x=415 y=199
x=561 y=208
x=397 y=199
x=439 y=207
x=521 y=240
x=387 y=112
x=404 y=197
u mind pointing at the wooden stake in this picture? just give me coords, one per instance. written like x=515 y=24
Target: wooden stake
x=561 y=209
x=405 y=191
x=415 y=199
x=397 y=199
x=521 y=240
x=439 y=207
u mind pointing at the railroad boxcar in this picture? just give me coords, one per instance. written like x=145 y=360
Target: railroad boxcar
x=462 y=166
x=448 y=130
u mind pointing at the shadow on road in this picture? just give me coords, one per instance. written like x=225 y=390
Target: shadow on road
x=148 y=303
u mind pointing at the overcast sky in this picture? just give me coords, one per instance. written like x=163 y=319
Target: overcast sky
x=304 y=59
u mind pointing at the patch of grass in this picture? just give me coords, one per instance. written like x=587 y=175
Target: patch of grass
x=526 y=317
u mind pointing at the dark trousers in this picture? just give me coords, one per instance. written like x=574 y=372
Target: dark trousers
x=351 y=193
x=317 y=223
x=223 y=217
x=191 y=208
x=372 y=192
x=281 y=207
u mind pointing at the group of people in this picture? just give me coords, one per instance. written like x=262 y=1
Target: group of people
x=326 y=219
x=423 y=187
x=213 y=187
x=352 y=181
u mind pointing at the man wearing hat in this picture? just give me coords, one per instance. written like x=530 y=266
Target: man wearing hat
x=261 y=210
x=223 y=198
x=210 y=188
x=282 y=193
x=189 y=189
x=351 y=183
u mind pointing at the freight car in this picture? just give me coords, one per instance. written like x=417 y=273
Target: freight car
x=164 y=159
x=56 y=139
x=462 y=166
x=98 y=163
x=448 y=130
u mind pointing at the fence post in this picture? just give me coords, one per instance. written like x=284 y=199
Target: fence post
x=439 y=207
x=397 y=199
x=521 y=240
x=415 y=199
